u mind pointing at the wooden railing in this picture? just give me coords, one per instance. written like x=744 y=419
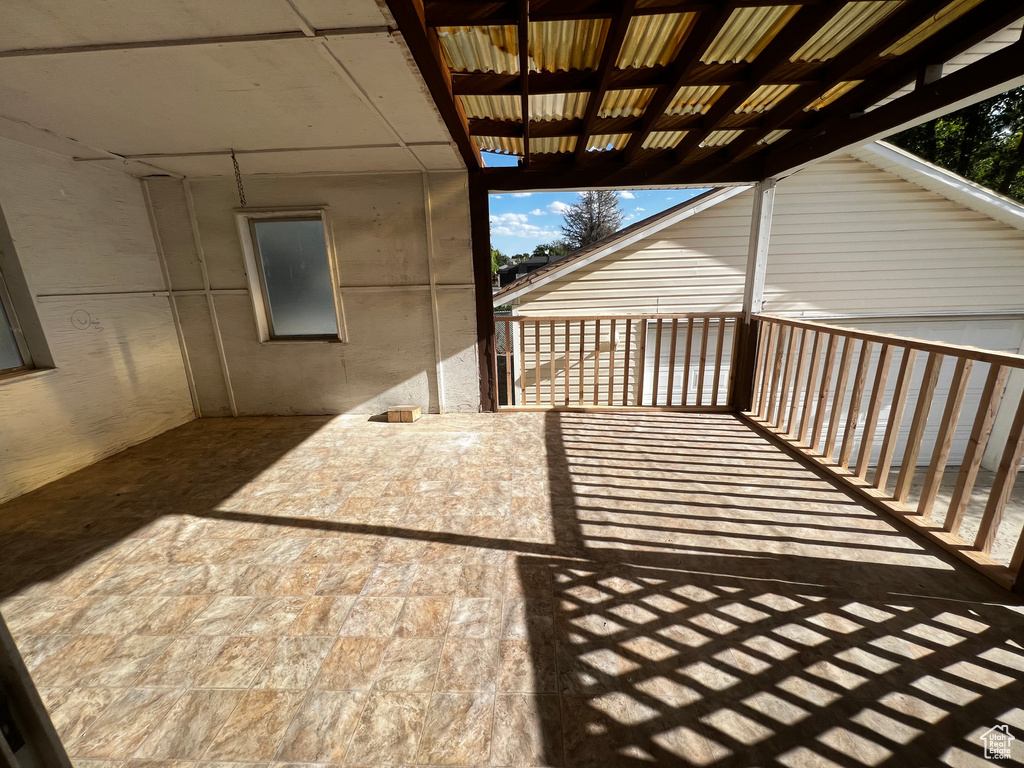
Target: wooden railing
x=664 y=362
x=830 y=394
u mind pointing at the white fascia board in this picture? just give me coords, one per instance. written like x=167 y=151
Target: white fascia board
x=705 y=202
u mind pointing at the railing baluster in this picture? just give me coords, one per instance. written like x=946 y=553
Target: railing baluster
x=719 y=348
x=823 y=391
x=1002 y=487
x=554 y=374
x=565 y=361
x=611 y=361
x=801 y=359
x=626 y=366
x=703 y=360
x=522 y=362
x=689 y=355
x=582 y=362
x=842 y=376
x=733 y=354
x=536 y=361
x=812 y=379
x=779 y=417
x=597 y=361
x=985 y=417
x=776 y=380
x=657 y=363
x=508 y=362
x=892 y=427
x=672 y=361
x=944 y=439
x=641 y=353
x=924 y=404
x=867 y=439
x=771 y=331
x=859 y=382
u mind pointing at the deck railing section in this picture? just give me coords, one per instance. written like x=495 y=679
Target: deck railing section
x=677 y=362
x=859 y=404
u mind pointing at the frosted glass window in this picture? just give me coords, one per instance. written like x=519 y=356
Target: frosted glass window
x=296 y=277
x=10 y=355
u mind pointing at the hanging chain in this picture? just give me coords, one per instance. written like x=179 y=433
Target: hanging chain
x=238 y=180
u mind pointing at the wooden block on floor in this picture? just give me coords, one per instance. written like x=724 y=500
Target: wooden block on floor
x=403 y=413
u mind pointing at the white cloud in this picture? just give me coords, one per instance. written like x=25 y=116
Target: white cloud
x=538 y=212
x=558 y=207
x=626 y=195
x=521 y=194
x=640 y=209
x=496 y=197
x=517 y=225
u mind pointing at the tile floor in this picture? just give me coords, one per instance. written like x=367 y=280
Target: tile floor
x=510 y=590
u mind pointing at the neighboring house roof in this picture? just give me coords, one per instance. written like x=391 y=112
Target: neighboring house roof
x=883 y=156
x=614 y=242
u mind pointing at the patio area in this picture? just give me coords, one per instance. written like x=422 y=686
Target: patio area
x=516 y=589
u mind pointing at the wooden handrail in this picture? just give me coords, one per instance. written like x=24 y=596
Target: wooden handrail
x=786 y=400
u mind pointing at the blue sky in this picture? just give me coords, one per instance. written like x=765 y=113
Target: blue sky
x=521 y=221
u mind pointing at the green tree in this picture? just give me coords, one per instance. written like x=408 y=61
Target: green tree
x=596 y=215
x=554 y=251
x=498 y=259
x=981 y=142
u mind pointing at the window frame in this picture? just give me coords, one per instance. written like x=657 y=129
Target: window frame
x=27 y=362
x=245 y=219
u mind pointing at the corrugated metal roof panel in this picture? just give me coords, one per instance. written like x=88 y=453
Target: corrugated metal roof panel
x=506 y=145
x=719 y=138
x=663 y=139
x=695 y=99
x=774 y=136
x=654 y=40
x=923 y=31
x=628 y=103
x=832 y=94
x=480 y=49
x=559 y=46
x=854 y=20
x=607 y=141
x=558 y=106
x=553 y=144
x=765 y=97
x=746 y=33
x=493 y=107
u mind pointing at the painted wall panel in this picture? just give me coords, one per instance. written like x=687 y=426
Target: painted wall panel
x=171 y=213
x=197 y=327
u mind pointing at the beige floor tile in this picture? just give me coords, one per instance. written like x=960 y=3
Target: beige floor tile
x=175 y=615
x=457 y=730
x=256 y=727
x=124 y=724
x=352 y=663
x=527 y=731
x=294 y=664
x=409 y=664
x=238 y=662
x=389 y=728
x=182 y=662
x=223 y=616
x=190 y=725
x=72 y=710
x=424 y=617
x=468 y=665
x=372 y=617
x=321 y=730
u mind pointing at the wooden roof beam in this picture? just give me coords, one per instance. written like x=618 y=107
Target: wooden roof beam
x=609 y=55
x=990 y=72
x=426 y=51
x=801 y=28
x=709 y=24
x=523 y=32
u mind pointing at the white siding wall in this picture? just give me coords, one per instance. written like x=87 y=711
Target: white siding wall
x=380 y=237
x=79 y=229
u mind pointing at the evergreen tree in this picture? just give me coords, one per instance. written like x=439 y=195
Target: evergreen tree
x=596 y=215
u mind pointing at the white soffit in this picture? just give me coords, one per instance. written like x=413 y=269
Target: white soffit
x=911 y=168
x=344 y=99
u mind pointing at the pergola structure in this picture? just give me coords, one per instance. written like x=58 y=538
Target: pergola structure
x=640 y=92
x=629 y=93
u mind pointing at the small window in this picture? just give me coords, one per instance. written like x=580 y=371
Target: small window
x=291 y=276
x=14 y=353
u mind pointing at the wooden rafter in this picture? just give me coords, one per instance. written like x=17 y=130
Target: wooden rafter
x=990 y=72
x=794 y=35
x=426 y=51
x=709 y=24
x=523 y=30
x=610 y=54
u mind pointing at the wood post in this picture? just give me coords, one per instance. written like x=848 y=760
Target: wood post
x=479 y=226
x=757 y=250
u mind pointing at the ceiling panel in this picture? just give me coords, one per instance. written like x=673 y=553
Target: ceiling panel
x=59 y=23
x=245 y=95
x=301 y=161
